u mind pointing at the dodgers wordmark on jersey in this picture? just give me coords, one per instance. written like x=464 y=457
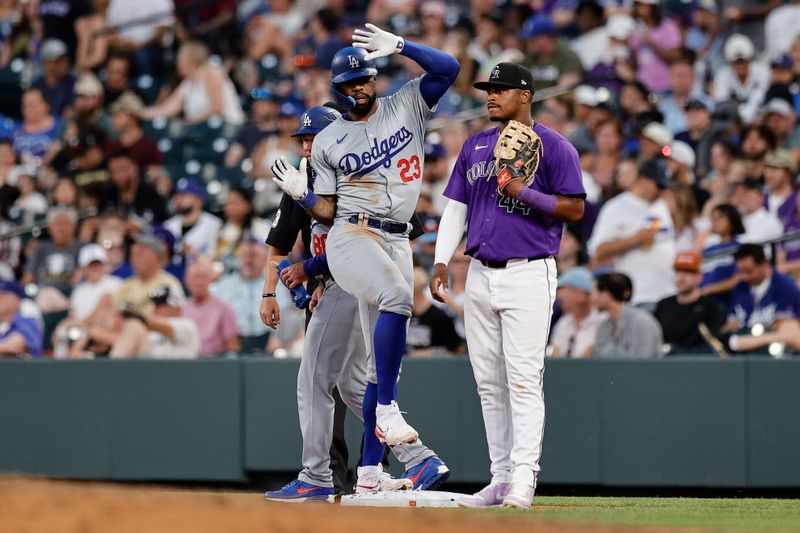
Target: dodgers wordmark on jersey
x=375 y=166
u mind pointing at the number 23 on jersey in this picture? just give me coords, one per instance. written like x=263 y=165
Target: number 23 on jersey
x=410 y=169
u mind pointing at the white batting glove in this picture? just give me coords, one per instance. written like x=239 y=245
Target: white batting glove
x=377 y=42
x=293 y=181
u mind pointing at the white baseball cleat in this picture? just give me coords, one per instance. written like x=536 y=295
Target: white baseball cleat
x=490 y=496
x=520 y=496
x=374 y=479
x=391 y=428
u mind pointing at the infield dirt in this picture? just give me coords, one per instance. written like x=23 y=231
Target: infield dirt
x=29 y=505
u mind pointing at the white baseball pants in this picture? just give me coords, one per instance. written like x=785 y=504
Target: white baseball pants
x=507 y=315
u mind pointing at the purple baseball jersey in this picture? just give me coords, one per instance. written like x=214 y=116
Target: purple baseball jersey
x=499 y=227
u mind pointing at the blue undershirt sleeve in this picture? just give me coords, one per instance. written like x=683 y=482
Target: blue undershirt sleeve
x=441 y=70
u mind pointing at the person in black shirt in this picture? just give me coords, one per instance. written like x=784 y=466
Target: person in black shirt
x=431 y=330
x=680 y=315
x=58 y=20
x=131 y=195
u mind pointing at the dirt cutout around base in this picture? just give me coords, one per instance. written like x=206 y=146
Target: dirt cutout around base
x=39 y=505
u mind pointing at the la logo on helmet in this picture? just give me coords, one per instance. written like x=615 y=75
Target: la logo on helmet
x=354 y=63
x=306 y=120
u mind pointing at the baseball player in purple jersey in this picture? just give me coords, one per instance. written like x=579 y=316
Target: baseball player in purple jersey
x=511 y=284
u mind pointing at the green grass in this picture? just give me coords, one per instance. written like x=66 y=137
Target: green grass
x=728 y=514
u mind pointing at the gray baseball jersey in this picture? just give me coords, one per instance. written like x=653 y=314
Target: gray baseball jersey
x=375 y=166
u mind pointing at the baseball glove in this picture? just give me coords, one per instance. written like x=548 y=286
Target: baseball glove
x=517 y=154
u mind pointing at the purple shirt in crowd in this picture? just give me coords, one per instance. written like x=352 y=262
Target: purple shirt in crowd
x=499 y=227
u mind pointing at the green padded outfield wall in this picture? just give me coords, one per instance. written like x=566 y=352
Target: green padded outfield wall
x=678 y=422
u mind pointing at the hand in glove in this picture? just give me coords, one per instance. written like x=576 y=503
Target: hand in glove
x=377 y=42
x=293 y=181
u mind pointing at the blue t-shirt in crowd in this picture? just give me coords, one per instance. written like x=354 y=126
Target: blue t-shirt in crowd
x=36 y=143
x=29 y=328
x=719 y=268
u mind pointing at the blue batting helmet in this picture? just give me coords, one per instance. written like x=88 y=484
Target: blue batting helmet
x=315 y=119
x=349 y=64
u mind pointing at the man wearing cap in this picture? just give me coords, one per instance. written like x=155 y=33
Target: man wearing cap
x=162 y=333
x=56 y=83
x=575 y=332
x=195 y=230
x=54 y=261
x=551 y=61
x=96 y=284
x=88 y=105
x=652 y=140
x=434 y=179
x=779 y=174
x=634 y=233
x=742 y=79
x=680 y=315
x=759 y=224
x=126 y=116
x=147 y=259
x=780 y=119
x=263 y=123
x=512 y=236
x=682 y=88
x=627 y=332
x=19 y=335
x=698 y=133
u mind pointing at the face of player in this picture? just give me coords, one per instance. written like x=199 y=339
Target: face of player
x=363 y=92
x=751 y=272
x=506 y=103
x=307 y=141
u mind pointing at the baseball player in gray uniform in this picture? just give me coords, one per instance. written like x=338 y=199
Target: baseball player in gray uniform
x=333 y=355
x=369 y=165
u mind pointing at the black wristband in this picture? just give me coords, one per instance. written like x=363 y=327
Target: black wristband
x=268 y=295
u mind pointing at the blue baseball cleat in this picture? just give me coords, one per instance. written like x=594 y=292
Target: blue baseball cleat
x=299 y=491
x=429 y=474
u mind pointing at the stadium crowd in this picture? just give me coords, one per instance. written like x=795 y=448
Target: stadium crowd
x=136 y=140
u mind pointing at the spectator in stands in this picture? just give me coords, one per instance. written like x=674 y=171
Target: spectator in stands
x=97 y=283
x=242 y=291
x=764 y=300
x=239 y=225
x=719 y=271
x=759 y=224
x=682 y=89
x=551 y=61
x=134 y=197
x=780 y=118
x=147 y=259
x=264 y=123
x=705 y=38
x=141 y=40
x=655 y=43
x=205 y=91
x=627 y=332
x=195 y=230
x=747 y=17
x=215 y=318
x=698 y=134
x=574 y=334
x=88 y=106
x=431 y=331
x=742 y=79
x=54 y=262
x=92 y=45
x=162 y=333
x=779 y=172
x=117 y=79
x=19 y=335
x=39 y=128
x=634 y=232
x=592 y=39
x=58 y=18
x=681 y=315
x=757 y=142
x=652 y=140
x=126 y=113
x=781 y=80
x=436 y=172
x=30 y=204
x=57 y=83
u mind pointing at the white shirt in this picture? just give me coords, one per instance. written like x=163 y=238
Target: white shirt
x=122 y=12
x=196 y=102
x=750 y=93
x=780 y=29
x=86 y=296
x=649 y=267
x=203 y=235
x=761 y=226
x=574 y=341
x=186 y=343
x=591 y=47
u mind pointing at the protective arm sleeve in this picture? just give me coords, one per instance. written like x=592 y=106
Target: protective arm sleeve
x=451 y=229
x=441 y=69
x=317 y=266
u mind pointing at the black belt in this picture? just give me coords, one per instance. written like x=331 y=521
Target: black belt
x=378 y=223
x=504 y=264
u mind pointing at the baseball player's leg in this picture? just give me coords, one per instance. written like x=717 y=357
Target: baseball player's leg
x=482 y=325
x=527 y=304
x=325 y=353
